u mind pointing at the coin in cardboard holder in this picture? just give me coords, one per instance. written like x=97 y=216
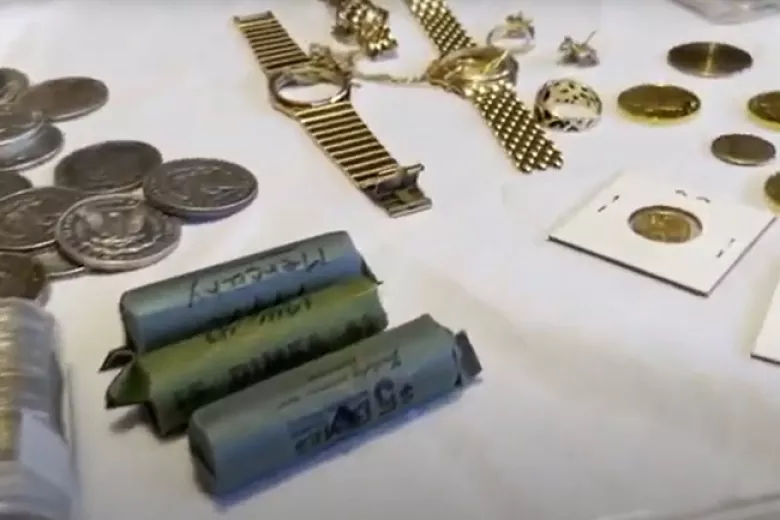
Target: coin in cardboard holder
x=658 y=104
x=709 y=59
x=743 y=149
x=671 y=233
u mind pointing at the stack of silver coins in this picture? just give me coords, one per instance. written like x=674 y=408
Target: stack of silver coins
x=114 y=206
x=36 y=476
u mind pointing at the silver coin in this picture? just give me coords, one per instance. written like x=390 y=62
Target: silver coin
x=21 y=276
x=11 y=182
x=200 y=188
x=56 y=264
x=40 y=148
x=17 y=124
x=108 y=167
x=29 y=216
x=116 y=232
x=12 y=83
x=63 y=99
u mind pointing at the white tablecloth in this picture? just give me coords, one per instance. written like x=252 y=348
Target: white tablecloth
x=604 y=392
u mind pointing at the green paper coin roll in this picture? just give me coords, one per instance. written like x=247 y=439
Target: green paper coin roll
x=175 y=381
x=171 y=310
x=271 y=425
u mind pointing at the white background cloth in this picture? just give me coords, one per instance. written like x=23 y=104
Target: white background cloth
x=604 y=392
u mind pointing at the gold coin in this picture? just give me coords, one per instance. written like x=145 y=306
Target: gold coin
x=665 y=224
x=743 y=149
x=709 y=59
x=772 y=191
x=764 y=109
x=657 y=104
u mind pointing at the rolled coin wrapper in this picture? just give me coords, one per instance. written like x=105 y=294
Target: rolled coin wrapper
x=171 y=310
x=276 y=423
x=567 y=106
x=175 y=381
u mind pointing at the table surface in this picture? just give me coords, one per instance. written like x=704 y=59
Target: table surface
x=604 y=392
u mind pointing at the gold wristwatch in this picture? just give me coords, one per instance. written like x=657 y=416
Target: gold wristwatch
x=332 y=123
x=486 y=76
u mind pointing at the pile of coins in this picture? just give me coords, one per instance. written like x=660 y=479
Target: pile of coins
x=115 y=206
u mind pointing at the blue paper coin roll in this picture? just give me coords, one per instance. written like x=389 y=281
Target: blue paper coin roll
x=36 y=477
x=274 y=424
x=168 y=311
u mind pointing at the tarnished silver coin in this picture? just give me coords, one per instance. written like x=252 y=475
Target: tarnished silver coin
x=29 y=216
x=41 y=148
x=55 y=264
x=12 y=83
x=17 y=124
x=63 y=99
x=108 y=167
x=116 y=232
x=21 y=276
x=11 y=182
x=200 y=188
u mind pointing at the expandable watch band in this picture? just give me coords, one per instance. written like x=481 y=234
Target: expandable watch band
x=511 y=122
x=441 y=25
x=514 y=125
x=337 y=128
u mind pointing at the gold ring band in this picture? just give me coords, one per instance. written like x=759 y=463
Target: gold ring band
x=559 y=96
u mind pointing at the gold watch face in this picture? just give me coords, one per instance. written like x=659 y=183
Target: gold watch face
x=665 y=224
x=286 y=81
x=471 y=67
x=743 y=149
x=658 y=103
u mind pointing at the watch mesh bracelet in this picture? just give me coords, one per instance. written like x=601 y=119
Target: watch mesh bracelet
x=337 y=128
x=340 y=132
x=514 y=126
x=441 y=25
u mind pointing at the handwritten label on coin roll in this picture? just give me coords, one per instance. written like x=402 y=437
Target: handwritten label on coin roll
x=175 y=381
x=171 y=310
x=271 y=425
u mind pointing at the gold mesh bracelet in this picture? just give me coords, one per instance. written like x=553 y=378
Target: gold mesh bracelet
x=337 y=128
x=441 y=25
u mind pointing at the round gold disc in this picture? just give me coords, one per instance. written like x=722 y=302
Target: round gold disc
x=658 y=104
x=665 y=224
x=709 y=59
x=764 y=109
x=743 y=149
x=772 y=191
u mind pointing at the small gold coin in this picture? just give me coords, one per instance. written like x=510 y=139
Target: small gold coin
x=658 y=104
x=665 y=224
x=772 y=191
x=764 y=109
x=743 y=149
x=709 y=59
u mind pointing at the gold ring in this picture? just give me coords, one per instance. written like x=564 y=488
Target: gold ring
x=567 y=105
x=515 y=28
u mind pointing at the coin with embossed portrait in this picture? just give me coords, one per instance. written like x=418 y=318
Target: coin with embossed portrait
x=63 y=99
x=107 y=167
x=22 y=276
x=12 y=83
x=41 y=148
x=200 y=189
x=116 y=232
x=29 y=216
x=11 y=182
